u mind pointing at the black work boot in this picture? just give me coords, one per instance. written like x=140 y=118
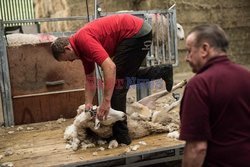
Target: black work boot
x=164 y=71
x=120 y=132
x=167 y=76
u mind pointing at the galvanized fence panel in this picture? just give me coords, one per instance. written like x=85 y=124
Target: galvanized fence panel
x=164 y=45
x=5 y=88
x=16 y=10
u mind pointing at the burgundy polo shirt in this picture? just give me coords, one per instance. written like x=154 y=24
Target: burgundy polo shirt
x=98 y=39
x=216 y=108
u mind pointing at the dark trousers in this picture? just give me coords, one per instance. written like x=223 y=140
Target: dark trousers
x=128 y=59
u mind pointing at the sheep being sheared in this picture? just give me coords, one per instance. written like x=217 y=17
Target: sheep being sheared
x=76 y=133
x=139 y=124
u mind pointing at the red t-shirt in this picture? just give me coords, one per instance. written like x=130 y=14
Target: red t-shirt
x=216 y=108
x=98 y=39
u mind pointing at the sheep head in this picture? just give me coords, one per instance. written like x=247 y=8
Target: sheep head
x=180 y=32
x=113 y=116
x=84 y=116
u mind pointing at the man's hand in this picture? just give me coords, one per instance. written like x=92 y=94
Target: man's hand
x=88 y=106
x=103 y=110
x=194 y=153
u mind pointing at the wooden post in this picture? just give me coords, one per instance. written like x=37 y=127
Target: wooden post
x=142 y=90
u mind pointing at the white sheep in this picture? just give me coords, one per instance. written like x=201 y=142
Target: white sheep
x=160 y=29
x=76 y=133
x=160 y=35
x=139 y=125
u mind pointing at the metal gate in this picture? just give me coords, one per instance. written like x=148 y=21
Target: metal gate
x=164 y=47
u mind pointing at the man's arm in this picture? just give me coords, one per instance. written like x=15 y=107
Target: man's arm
x=109 y=72
x=90 y=89
x=194 y=153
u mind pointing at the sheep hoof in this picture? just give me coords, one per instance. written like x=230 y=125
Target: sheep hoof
x=113 y=144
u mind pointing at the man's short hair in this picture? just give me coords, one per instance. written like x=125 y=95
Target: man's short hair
x=58 y=46
x=211 y=33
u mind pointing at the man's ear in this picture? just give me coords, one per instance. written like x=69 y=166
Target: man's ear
x=205 y=47
x=68 y=47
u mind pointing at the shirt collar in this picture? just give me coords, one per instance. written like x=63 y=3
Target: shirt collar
x=212 y=61
x=72 y=43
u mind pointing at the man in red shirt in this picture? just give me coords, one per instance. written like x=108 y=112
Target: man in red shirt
x=119 y=44
x=215 y=109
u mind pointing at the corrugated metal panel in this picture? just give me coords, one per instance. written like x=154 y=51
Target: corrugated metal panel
x=16 y=10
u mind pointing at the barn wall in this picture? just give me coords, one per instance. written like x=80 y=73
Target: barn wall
x=233 y=16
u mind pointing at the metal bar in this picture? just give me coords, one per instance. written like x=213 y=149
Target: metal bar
x=163 y=154
x=172 y=36
x=70 y=18
x=87 y=7
x=59 y=34
x=32 y=9
x=15 y=10
x=5 y=81
x=7 y=12
x=142 y=90
x=175 y=39
x=20 y=10
x=163 y=40
x=152 y=162
x=172 y=7
x=48 y=93
x=150 y=51
x=5 y=15
x=97 y=68
x=29 y=15
x=95 y=9
x=2 y=88
x=11 y=10
x=169 y=34
x=25 y=8
x=157 y=38
x=142 y=12
x=1 y=11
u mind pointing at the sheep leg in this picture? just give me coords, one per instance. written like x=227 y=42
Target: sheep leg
x=74 y=135
x=168 y=107
x=161 y=114
x=81 y=133
x=149 y=101
x=113 y=144
x=155 y=127
x=82 y=119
